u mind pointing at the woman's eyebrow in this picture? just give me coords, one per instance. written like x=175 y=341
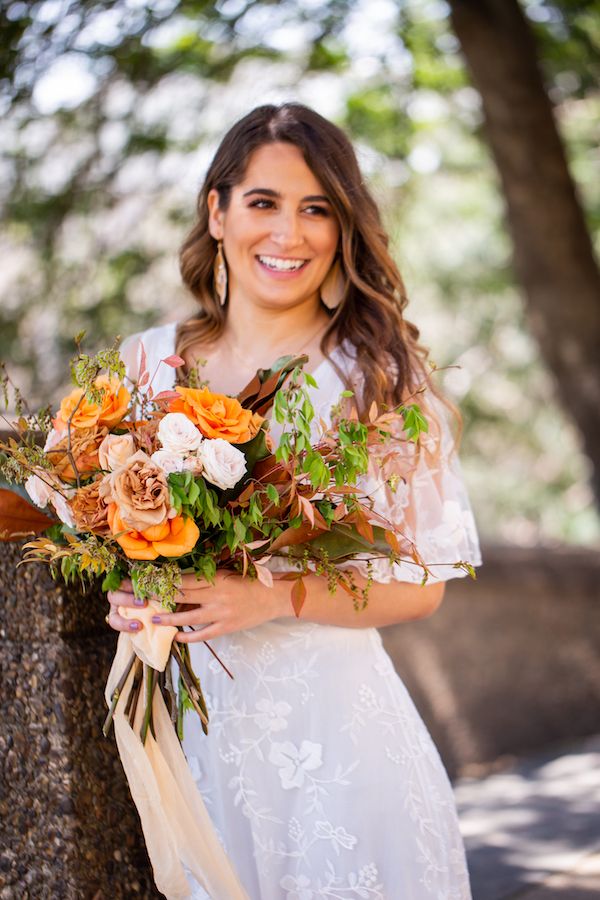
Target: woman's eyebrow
x=271 y=193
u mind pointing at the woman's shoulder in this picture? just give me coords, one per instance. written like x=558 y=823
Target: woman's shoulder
x=158 y=342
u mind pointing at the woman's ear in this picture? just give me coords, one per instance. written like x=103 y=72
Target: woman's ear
x=215 y=215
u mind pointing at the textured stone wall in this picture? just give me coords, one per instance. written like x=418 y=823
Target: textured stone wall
x=69 y=829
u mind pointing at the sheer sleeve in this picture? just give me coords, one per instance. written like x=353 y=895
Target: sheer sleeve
x=423 y=495
x=129 y=352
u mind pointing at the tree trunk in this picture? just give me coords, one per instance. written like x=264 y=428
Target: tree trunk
x=553 y=254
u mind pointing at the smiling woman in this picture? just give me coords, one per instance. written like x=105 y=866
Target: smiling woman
x=319 y=774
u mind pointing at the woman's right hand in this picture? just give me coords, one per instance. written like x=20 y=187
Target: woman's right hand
x=124 y=597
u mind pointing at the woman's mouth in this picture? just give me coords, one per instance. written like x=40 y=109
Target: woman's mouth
x=280 y=267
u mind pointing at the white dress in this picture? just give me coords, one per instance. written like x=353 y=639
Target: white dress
x=320 y=776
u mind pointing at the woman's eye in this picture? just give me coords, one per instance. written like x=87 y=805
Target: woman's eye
x=318 y=210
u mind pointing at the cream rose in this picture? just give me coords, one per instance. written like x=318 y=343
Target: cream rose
x=55 y=436
x=115 y=450
x=140 y=491
x=42 y=493
x=178 y=434
x=168 y=461
x=222 y=463
x=193 y=464
x=39 y=489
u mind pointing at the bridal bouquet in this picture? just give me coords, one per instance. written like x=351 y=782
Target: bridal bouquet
x=149 y=486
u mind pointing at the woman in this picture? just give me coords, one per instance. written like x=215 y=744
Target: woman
x=319 y=775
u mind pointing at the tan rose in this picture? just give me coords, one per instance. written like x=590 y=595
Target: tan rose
x=140 y=491
x=89 y=510
x=84 y=450
x=115 y=450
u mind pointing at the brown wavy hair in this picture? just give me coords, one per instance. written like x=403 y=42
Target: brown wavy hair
x=391 y=361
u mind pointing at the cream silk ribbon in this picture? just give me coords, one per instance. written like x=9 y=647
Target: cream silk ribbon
x=176 y=825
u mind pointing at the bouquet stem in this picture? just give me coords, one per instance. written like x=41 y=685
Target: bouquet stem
x=116 y=695
x=193 y=689
x=132 y=700
x=151 y=678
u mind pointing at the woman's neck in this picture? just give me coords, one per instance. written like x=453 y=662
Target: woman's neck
x=261 y=332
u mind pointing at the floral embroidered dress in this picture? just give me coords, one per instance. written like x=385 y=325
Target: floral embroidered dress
x=320 y=776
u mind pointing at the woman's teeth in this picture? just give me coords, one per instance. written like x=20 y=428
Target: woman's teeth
x=283 y=265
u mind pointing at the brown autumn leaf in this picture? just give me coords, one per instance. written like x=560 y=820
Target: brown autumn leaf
x=292 y=536
x=19 y=518
x=364 y=528
x=298 y=596
x=392 y=540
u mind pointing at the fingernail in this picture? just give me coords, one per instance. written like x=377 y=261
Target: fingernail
x=139 y=601
x=134 y=626
x=156 y=620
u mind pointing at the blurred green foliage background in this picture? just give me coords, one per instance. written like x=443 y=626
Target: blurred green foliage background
x=111 y=112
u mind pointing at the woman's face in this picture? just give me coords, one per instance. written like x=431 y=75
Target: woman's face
x=280 y=232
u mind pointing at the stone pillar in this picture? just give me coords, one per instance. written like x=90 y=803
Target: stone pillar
x=69 y=828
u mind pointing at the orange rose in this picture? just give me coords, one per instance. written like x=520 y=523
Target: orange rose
x=109 y=412
x=216 y=415
x=115 y=401
x=174 y=537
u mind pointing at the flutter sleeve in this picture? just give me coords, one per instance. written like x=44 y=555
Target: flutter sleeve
x=422 y=494
x=130 y=354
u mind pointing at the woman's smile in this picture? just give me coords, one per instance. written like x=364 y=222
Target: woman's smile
x=281 y=267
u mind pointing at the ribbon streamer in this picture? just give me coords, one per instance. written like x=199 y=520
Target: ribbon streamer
x=176 y=825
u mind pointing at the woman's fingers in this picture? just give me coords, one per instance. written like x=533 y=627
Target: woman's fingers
x=125 y=598
x=190 y=581
x=204 y=634
x=198 y=616
x=120 y=623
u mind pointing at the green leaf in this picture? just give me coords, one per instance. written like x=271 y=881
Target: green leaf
x=272 y=493
x=193 y=493
x=414 y=422
x=112 y=579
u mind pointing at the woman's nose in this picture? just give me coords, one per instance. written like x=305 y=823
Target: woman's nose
x=287 y=232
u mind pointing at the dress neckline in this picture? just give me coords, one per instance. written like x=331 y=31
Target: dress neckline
x=325 y=362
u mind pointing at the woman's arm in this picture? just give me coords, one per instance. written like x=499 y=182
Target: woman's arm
x=234 y=604
x=398 y=601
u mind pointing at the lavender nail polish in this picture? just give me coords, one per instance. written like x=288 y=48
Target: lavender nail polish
x=138 y=601
x=134 y=626
x=156 y=619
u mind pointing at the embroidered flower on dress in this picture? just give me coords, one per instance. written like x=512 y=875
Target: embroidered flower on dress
x=338 y=836
x=271 y=715
x=297 y=888
x=294 y=762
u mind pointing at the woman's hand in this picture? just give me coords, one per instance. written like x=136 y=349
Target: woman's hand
x=233 y=603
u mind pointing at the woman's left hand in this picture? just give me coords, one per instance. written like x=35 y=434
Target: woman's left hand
x=233 y=603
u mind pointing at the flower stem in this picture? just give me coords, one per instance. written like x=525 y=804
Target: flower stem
x=116 y=694
x=190 y=687
x=150 y=685
x=131 y=705
x=218 y=659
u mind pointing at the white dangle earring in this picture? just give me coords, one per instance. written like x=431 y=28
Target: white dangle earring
x=220 y=274
x=334 y=286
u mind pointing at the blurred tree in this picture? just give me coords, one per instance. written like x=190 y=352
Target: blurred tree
x=112 y=108
x=553 y=253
